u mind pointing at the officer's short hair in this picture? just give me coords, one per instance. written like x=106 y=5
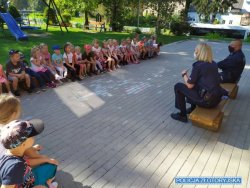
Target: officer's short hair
x=204 y=53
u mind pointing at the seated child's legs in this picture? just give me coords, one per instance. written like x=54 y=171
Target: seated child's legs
x=49 y=75
x=98 y=63
x=60 y=70
x=82 y=69
x=72 y=72
x=14 y=82
x=44 y=77
x=44 y=173
x=27 y=80
x=93 y=65
x=65 y=72
x=88 y=67
x=38 y=78
x=7 y=86
x=54 y=73
x=77 y=67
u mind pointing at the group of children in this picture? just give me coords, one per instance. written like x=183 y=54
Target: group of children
x=21 y=164
x=52 y=70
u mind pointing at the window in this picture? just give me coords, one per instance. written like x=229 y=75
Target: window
x=223 y=21
x=230 y=21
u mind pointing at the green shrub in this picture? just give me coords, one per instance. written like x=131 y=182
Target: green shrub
x=14 y=12
x=145 y=21
x=216 y=21
x=138 y=30
x=179 y=27
x=214 y=36
x=79 y=25
x=66 y=17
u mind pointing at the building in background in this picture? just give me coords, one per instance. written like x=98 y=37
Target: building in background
x=239 y=14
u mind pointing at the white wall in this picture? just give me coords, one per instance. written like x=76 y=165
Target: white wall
x=246 y=5
x=235 y=19
x=230 y=19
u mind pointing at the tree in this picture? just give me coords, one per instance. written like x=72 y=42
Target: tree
x=74 y=6
x=208 y=7
x=4 y=4
x=164 y=9
x=20 y=4
x=37 y=5
x=86 y=6
x=116 y=10
x=186 y=9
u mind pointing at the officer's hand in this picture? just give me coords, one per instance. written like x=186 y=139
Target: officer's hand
x=184 y=72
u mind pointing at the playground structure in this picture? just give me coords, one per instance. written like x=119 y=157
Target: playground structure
x=16 y=30
x=13 y=27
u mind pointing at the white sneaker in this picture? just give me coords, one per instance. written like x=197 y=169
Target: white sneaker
x=57 y=77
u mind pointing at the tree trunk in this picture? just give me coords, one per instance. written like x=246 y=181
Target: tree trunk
x=86 y=24
x=114 y=17
x=157 y=26
x=187 y=6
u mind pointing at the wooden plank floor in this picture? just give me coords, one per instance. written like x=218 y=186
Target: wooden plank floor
x=114 y=130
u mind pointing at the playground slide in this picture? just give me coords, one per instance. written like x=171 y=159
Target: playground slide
x=13 y=27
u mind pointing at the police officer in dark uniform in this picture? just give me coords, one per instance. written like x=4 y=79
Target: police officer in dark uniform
x=233 y=66
x=202 y=87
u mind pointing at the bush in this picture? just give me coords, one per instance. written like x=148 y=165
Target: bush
x=214 y=36
x=79 y=25
x=138 y=31
x=14 y=12
x=179 y=27
x=145 y=21
x=116 y=26
x=216 y=21
x=52 y=16
x=66 y=17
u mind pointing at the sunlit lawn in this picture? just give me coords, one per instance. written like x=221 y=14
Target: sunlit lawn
x=55 y=36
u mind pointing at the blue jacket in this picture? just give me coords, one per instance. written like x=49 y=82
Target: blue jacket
x=234 y=64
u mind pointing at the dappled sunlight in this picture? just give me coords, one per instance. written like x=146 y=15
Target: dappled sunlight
x=177 y=53
x=247 y=67
x=79 y=99
x=120 y=74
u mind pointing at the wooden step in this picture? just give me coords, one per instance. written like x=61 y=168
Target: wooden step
x=232 y=88
x=208 y=118
x=212 y=118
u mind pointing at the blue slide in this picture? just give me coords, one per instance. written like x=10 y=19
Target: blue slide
x=13 y=27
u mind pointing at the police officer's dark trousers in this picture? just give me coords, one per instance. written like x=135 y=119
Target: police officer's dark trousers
x=183 y=94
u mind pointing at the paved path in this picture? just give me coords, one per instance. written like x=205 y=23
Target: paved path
x=114 y=130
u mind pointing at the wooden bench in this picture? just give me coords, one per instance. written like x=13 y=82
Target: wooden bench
x=96 y=25
x=21 y=85
x=212 y=118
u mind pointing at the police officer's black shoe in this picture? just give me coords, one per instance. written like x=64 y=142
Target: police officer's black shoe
x=179 y=117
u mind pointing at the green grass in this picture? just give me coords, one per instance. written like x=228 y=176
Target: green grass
x=77 y=19
x=55 y=36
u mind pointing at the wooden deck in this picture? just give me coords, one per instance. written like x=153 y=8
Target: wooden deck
x=115 y=130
